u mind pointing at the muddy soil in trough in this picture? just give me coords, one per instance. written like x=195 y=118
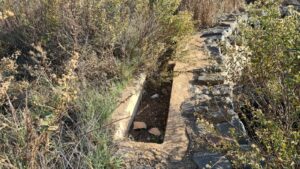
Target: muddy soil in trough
x=153 y=111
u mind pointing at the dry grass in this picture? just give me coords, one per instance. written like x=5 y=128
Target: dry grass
x=63 y=80
x=206 y=12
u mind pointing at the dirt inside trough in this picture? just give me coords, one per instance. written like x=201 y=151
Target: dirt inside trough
x=153 y=110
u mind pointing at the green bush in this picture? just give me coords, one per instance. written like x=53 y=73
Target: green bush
x=270 y=82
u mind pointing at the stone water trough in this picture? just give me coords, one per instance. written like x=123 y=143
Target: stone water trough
x=175 y=141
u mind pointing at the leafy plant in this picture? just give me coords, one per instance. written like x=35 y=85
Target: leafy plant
x=268 y=55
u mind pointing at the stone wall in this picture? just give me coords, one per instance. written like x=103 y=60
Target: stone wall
x=214 y=97
x=217 y=86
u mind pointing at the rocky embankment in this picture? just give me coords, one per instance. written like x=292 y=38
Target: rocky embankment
x=212 y=122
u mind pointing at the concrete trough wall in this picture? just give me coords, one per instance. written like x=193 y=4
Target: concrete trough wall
x=123 y=116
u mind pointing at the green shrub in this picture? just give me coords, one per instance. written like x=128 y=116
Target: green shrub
x=269 y=46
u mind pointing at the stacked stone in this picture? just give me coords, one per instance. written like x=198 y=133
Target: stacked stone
x=212 y=96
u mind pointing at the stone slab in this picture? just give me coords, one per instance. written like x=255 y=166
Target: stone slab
x=218 y=116
x=124 y=114
x=213 y=50
x=235 y=123
x=211 y=160
x=210 y=69
x=211 y=79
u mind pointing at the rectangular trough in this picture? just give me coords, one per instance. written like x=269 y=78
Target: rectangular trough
x=175 y=141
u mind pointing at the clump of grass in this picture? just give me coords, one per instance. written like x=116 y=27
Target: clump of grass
x=95 y=108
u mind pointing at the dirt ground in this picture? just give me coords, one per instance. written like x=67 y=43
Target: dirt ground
x=155 y=109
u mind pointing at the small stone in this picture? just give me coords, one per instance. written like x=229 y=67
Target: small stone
x=228 y=100
x=139 y=125
x=207 y=166
x=221 y=90
x=231 y=112
x=155 y=96
x=155 y=131
x=216 y=92
x=197 y=91
x=206 y=92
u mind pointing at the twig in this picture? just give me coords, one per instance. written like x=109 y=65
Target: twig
x=13 y=110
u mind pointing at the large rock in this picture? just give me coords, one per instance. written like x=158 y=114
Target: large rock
x=215 y=53
x=236 y=124
x=211 y=79
x=213 y=160
x=214 y=50
x=213 y=32
x=219 y=116
x=187 y=108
